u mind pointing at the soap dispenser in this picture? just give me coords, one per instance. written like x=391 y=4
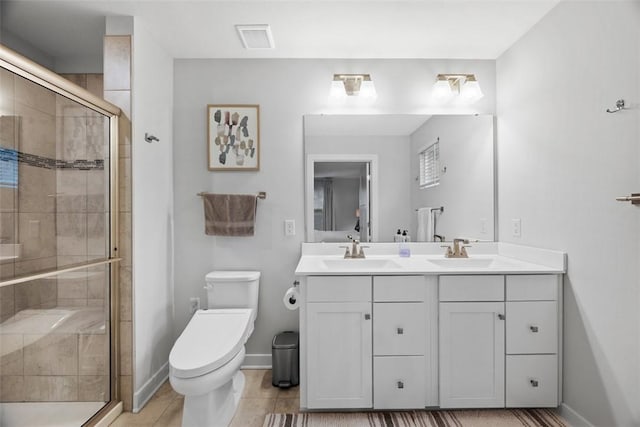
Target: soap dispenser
x=403 y=249
x=397 y=237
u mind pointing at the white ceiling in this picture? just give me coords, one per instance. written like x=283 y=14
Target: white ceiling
x=472 y=29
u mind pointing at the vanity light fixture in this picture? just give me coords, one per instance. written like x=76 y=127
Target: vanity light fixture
x=359 y=85
x=464 y=85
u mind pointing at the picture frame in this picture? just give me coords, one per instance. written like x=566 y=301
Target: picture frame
x=233 y=137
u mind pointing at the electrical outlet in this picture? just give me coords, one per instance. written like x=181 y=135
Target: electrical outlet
x=195 y=304
x=289 y=227
x=516 y=227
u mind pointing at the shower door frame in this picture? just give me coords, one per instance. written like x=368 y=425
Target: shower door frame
x=24 y=67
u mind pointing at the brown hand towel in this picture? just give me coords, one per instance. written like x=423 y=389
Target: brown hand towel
x=229 y=214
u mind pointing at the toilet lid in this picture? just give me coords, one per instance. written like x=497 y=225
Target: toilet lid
x=211 y=339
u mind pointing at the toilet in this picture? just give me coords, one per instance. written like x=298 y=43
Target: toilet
x=204 y=363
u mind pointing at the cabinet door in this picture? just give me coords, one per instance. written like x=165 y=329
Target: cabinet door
x=339 y=358
x=472 y=355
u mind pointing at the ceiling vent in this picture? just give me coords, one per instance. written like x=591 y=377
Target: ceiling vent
x=255 y=36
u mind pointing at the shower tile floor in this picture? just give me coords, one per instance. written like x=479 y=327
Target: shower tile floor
x=258 y=399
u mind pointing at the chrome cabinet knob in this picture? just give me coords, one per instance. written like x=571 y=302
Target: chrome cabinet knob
x=400 y=384
x=400 y=331
x=501 y=316
x=534 y=383
x=367 y=316
x=533 y=328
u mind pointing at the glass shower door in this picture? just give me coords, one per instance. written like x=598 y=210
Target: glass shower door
x=56 y=204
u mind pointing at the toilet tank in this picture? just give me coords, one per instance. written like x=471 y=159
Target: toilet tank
x=233 y=289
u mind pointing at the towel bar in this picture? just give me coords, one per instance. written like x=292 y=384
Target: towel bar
x=261 y=194
x=441 y=209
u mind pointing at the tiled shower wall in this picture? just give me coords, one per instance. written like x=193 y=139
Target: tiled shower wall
x=59 y=216
x=117 y=90
x=27 y=217
x=81 y=197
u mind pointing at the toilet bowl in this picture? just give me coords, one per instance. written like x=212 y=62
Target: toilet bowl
x=204 y=363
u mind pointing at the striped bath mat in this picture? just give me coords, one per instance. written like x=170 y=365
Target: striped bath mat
x=462 y=418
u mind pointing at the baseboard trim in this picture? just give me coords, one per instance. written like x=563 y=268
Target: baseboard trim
x=573 y=417
x=257 y=361
x=148 y=389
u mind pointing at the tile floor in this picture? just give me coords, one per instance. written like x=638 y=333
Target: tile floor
x=259 y=399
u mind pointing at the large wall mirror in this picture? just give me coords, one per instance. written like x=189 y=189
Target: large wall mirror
x=371 y=175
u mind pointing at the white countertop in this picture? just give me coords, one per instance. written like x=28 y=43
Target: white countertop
x=427 y=258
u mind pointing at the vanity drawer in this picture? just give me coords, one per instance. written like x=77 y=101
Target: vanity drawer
x=399 y=288
x=471 y=288
x=399 y=329
x=532 y=327
x=542 y=287
x=338 y=288
x=399 y=382
x=532 y=381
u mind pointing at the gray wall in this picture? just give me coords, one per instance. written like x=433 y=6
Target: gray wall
x=562 y=161
x=17 y=43
x=152 y=202
x=61 y=64
x=285 y=90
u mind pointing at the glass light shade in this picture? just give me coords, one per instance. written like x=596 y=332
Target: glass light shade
x=337 y=89
x=442 y=89
x=368 y=90
x=471 y=91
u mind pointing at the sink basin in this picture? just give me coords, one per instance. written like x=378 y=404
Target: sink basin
x=359 y=264
x=463 y=262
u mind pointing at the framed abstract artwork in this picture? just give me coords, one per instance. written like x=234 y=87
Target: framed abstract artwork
x=233 y=137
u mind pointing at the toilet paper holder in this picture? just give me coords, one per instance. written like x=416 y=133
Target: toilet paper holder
x=292 y=299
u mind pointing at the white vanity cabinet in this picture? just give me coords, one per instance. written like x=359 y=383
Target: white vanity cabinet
x=338 y=365
x=471 y=341
x=414 y=341
x=533 y=341
x=402 y=320
x=366 y=342
x=500 y=341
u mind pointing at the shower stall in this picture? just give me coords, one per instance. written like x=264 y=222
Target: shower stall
x=58 y=248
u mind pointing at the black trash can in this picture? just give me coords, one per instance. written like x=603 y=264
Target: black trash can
x=285 y=359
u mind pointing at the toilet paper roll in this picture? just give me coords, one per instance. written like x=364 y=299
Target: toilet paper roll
x=291 y=298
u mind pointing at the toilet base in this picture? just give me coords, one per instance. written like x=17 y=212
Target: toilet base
x=215 y=409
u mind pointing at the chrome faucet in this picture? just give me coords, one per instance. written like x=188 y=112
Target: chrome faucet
x=458 y=251
x=356 y=249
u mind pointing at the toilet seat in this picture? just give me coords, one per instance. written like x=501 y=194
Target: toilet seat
x=211 y=339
